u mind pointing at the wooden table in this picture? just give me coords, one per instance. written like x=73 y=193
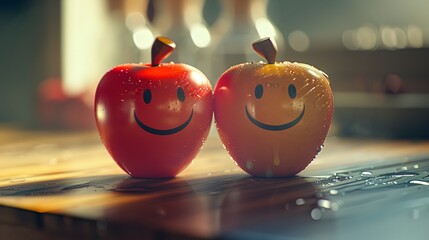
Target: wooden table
x=65 y=186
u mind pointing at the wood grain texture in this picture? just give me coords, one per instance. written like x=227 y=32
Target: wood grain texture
x=65 y=185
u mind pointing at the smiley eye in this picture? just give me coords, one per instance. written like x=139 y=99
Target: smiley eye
x=292 y=91
x=259 y=90
x=180 y=94
x=147 y=96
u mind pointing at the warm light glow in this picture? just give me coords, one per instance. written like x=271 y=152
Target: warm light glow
x=82 y=23
x=389 y=38
x=101 y=113
x=198 y=78
x=415 y=36
x=369 y=38
x=143 y=37
x=350 y=40
x=401 y=38
x=366 y=38
x=312 y=72
x=299 y=41
x=134 y=20
x=265 y=28
x=200 y=35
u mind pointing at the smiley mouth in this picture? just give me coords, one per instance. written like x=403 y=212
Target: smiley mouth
x=275 y=127
x=163 y=131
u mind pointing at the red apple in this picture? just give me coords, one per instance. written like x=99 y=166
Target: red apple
x=153 y=118
x=273 y=117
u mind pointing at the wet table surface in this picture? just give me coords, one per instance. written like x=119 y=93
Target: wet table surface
x=65 y=186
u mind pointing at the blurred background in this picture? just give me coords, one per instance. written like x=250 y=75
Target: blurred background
x=376 y=52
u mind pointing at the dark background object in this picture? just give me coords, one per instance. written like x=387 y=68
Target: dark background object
x=29 y=53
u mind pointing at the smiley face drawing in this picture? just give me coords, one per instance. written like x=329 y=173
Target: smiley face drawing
x=273 y=118
x=147 y=98
x=153 y=120
x=259 y=89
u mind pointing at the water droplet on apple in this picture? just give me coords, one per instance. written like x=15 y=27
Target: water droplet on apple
x=276 y=159
x=319 y=149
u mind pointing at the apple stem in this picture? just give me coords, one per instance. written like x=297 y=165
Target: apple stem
x=267 y=48
x=162 y=47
